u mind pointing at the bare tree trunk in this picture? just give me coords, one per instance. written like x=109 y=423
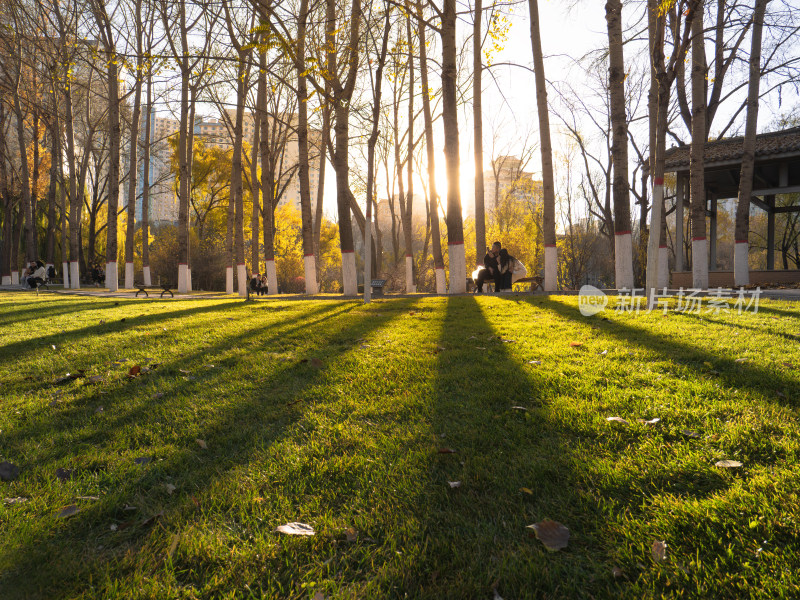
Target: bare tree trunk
x=55 y=165
x=146 y=183
x=25 y=179
x=408 y=216
x=326 y=124
x=455 y=224
x=477 y=125
x=697 y=188
x=548 y=187
x=623 y=250
x=398 y=163
x=255 y=188
x=133 y=173
x=309 y=260
x=741 y=267
x=8 y=208
x=438 y=259
x=373 y=140
x=343 y=92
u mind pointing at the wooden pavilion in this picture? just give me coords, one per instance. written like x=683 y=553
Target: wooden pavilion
x=777 y=171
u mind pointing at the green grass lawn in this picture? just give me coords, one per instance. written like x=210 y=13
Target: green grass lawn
x=350 y=443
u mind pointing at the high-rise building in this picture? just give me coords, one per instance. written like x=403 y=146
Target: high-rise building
x=507 y=176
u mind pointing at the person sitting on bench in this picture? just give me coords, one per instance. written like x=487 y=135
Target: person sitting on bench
x=255 y=284
x=264 y=286
x=511 y=268
x=491 y=269
x=37 y=277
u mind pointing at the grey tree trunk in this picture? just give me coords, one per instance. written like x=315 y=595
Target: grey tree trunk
x=616 y=82
x=697 y=189
x=548 y=186
x=477 y=128
x=455 y=224
x=741 y=265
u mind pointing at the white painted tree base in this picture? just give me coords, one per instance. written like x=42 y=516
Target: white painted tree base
x=128 y=275
x=700 y=264
x=310 y=271
x=272 y=278
x=74 y=275
x=14 y=277
x=241 y=279
x=410 y=285
x=6 y=280
x=146 y=276
x=550 y=269
x=229 y=280
x=65 y=274
x=349 y=274
x=112 y=276
x=183 y=278
x=441 y=282
x=458 y=268
x=663 y=267
x=623 y=261
x=741 y=264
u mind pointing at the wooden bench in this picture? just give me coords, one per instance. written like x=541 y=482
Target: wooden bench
x=536 y=282
x=377 y=286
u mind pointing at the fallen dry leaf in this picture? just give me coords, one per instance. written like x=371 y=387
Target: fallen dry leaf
x=741 y=360
x=8 y=472
x=691 y=434
x=202 y=444
x=173 y=545
x=134 y=371
x=522 y=408
x=576 y=344
x=525 y=490
x=295 y=529
x=68 y=511
x=350 y=534
x=727 y=464
x=603 y=353
x=94 y=379
x=446 y=451
x=454 y=484
x=659 y=550
x=142 y=460
x=87 y=497
x=318 y=596
x=616 y=572
x=152 y=519
x=170 y=488
x=63 y=474
x=315 y=362
x=617 y=420
x=17 y=500
x=552 y=534
x=650 y=422
x=534 y=362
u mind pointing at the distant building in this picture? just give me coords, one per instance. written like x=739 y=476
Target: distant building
x=218 y=133
x=507 y=175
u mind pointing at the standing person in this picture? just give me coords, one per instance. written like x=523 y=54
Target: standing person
x=37 y=276
x=491 y=269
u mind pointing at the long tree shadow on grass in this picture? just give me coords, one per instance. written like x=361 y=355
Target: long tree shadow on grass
x=513 y=463
x=54 y=307
x=751 y=376
x=127 y=323
x=59 y=558
x=126 y=400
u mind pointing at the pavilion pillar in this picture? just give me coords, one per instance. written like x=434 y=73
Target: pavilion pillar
x=679 y=193
x=712 y=246
x=770 y=201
